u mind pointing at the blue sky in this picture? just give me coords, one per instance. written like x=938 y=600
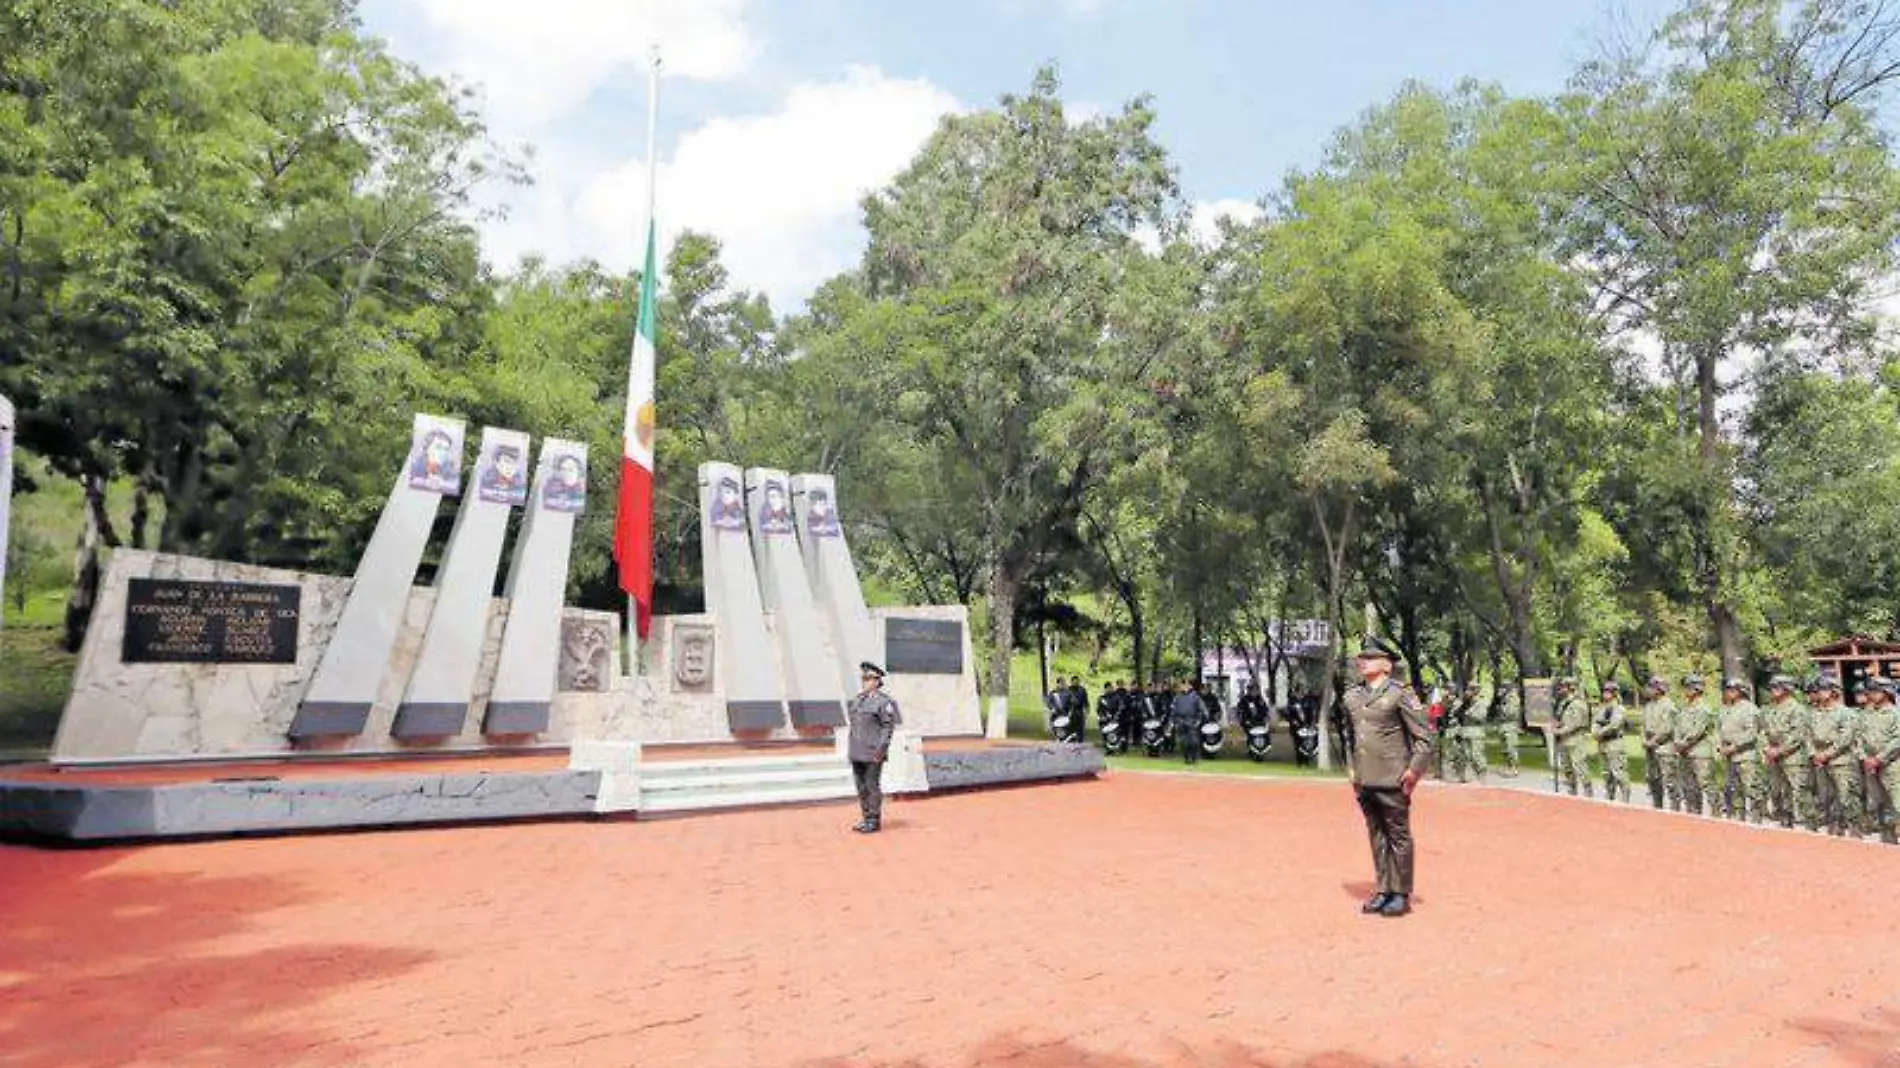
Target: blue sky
x=776 y=116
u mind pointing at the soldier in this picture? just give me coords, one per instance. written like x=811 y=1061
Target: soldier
x=873 y=718
x=1787 y=775
x=1188 y=713
x=1077 y=706
x=1475 y=711
x=1108 y=708
x=1510 y=725
x=1055 y=702
x=1572 y=735
x=1878 y=739
x=1391 y=748
x=1659 y=727
x=1832 y=727
x=1695 y=754
x=1738 y=735
x=1608 y=731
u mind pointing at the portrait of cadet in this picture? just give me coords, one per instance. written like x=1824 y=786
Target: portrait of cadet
x=775 y=515
x=435 y=456
x=502 y=479
x=821 y=519
x=566 y=487
x=728 y=505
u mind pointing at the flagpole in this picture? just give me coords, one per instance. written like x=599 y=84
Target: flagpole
x=653 y=171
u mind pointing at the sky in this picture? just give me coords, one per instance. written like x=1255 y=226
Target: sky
x=777 y=116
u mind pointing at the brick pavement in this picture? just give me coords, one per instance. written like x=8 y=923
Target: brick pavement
x=1135 y=922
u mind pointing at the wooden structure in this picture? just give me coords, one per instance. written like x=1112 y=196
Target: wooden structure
x=1856 y=657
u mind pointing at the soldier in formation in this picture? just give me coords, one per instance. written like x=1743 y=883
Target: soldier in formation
x=1738 y=735
x=1877 y=738
x=1787 y=778
x=1659 y=735
x=1572 y=735
x=1464 y=735
x=1607 y=729
x=1510 y=726
x=1831 y=730
x=1693 y=747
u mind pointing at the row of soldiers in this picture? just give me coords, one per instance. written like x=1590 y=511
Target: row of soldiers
x=1826 y=763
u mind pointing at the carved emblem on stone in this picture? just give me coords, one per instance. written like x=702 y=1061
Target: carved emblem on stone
x=586 y=655
x=692 y=658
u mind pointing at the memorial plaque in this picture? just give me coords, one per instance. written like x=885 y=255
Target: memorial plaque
x=169 y=621
x=923 y=646
x=1540 y=702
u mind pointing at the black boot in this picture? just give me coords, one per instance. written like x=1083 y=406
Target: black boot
x=1396 y=905
x=1375 y=903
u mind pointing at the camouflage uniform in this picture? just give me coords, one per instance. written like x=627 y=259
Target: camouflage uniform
x=1878 y=749
x=1787 y=774
x=1473 y=733
x=1738 y=737
x=1695 y=751
x=1508 y=730
x=1573 y=736
x=1608 y=731
x=1659 y=727
x=1832 y=727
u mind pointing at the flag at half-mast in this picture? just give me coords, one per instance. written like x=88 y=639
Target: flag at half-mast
x=633 y=521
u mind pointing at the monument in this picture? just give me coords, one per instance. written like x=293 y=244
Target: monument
x=6 y=492
x=196 y=664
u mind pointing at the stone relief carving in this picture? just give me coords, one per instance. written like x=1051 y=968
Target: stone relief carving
x=586 y=655
x=692 y=658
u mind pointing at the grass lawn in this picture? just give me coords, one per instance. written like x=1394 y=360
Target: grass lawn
x=35 y=676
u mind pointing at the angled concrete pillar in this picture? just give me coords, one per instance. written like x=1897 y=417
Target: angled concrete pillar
x=523 y=694
x=743 y=652
x=343 y=689
x=833 y=576
x=813 y=693
x=442 y=685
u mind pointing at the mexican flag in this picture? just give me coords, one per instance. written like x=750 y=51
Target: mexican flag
x=633 y=520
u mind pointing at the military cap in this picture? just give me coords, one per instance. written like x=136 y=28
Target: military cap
x=868 y=668
x=1657 y=682
x=1612 y=686
x=1781 y=682
x=1821 y=684
x=1884 y=685
x=1692 y=681
x=1566 y=683
x=1374 y=649
x=1733 y=683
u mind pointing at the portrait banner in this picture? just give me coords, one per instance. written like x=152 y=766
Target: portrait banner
x=821 y=514
x=563 y=475
x=775 y=511
x=728 y=504
x=501 y=472
x=435 y=455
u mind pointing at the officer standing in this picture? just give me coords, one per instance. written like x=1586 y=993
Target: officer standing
x=1608 y=730
x=1078 y=708
x=1476 y=711
x=1057 y=702
x=1391 y=748
x=1572 y=736
x=873 y=718
x=1879 y=739
x=1738 y=733
x=1787 y=776
x=1695 y=754
x=1659 y=728
x=1188 y=713
x=1832 y=727
x=1108 y=709
x=1252 y=708
x=1510 y=724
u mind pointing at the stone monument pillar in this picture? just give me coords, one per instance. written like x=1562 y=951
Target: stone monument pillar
x=6 y=490
x=526 y=669
x=812 y=687
x=344 y=687
x=746 y=662
x=833 y=576
x=435 y=704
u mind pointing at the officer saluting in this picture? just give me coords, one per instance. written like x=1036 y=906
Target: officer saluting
x=873 y=717
x=1391 y=748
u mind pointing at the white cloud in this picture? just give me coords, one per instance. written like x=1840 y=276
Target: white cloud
x=1204 y=217
x=538 y=59
x=780 y=190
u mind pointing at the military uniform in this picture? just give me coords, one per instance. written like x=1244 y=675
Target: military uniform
x=1608 y=731
x=1878 y=748
x=1509 y=728
x=1471 y=735
x=1738 y=736
x=1391 y=743
x=1659 y=728
x=1695 y=752
x=1572 y=735
x=1188 y=713
x=1787 y=775
x=1832 y=727
x=873 y=718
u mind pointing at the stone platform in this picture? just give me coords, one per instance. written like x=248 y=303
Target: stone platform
x=42 y=803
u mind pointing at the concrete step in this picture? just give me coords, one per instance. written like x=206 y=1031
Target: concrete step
x=742 y=795
x=790 y=776
x=720 y=768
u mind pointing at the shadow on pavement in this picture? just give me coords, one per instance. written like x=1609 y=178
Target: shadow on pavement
x=101 y=966
x=1019 y=1053
x=1873 y=1041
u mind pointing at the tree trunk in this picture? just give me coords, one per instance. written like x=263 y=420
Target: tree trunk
x=95 y=534
x=141 y=515
x=1715 y=487
x=1042 y=652
x=1137 y=632
x=1005 y=585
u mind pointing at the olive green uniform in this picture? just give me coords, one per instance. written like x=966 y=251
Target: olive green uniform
x=1695 y=754
x=1659 y=728
x=1787 y=775
x=1573 y=742
x=1831 y=735
x=1878 y=738
x=1608 y=731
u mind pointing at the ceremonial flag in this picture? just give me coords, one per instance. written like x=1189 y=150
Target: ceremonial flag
x=633 y=520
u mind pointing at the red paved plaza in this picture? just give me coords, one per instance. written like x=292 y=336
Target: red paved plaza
x=1134 y=922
